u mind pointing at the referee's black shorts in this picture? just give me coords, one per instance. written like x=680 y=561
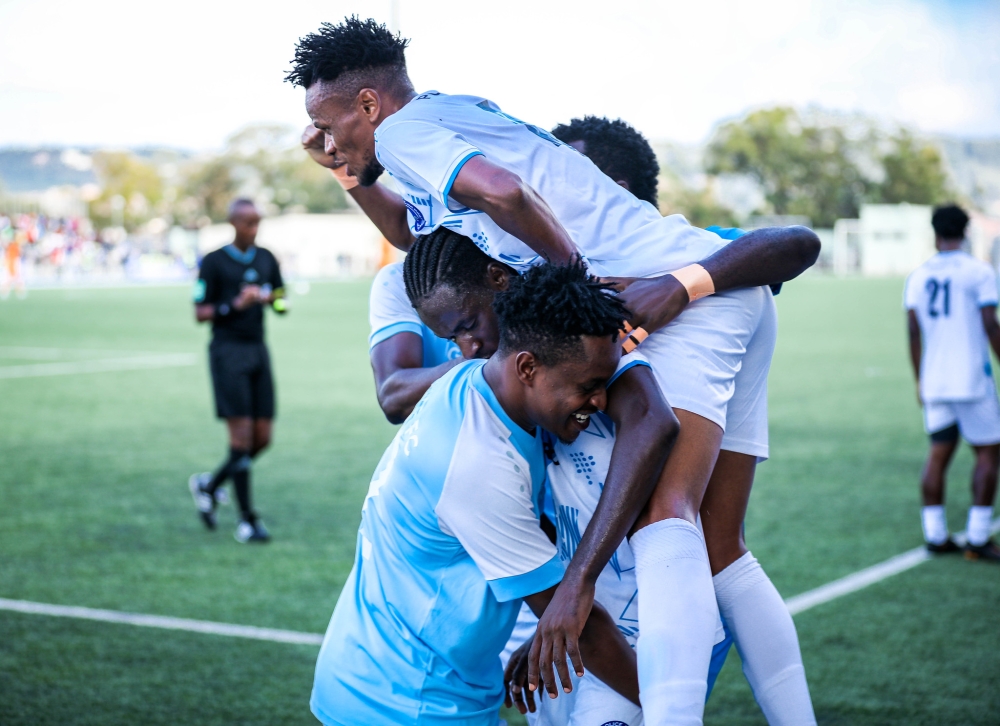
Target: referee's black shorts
x=241 y=379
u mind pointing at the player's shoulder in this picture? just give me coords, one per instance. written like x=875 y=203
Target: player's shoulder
x=389 y=276
x=265 y=255
x=213 y=259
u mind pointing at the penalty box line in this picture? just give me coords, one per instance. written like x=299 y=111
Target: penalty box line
x=797 y=604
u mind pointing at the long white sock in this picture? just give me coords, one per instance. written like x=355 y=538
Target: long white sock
x=978 y=528
x=766 y=640
x=935 y=524
x=677 y=621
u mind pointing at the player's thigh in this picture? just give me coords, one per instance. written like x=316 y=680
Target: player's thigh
x=682 y=482
x=597 y=704
x=724 y=508
x=231 y=380
x=979 y=420
x=696 y=358
x=746 y=412
x=262 y=384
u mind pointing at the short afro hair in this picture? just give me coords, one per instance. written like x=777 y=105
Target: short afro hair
x=619 y=151
x=548 y=308
x=950 y=221
x=354 y=45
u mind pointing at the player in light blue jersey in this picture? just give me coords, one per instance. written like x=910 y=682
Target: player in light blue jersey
x=449 y=542
x=405 y=354
x=522 y=196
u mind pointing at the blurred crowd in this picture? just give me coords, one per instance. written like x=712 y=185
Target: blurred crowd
x=40 y=250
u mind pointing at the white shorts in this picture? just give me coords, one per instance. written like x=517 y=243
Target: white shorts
x=713 y=361
x=597 y=704
x=978 y=420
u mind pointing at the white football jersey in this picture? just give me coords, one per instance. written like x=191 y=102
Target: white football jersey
x=947 y=292
x=424 y=145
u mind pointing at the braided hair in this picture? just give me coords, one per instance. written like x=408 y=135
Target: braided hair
x=443 y=257
x=548 y=308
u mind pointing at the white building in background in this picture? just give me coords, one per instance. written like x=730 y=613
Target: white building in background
x=894 y=239
x=313 y=245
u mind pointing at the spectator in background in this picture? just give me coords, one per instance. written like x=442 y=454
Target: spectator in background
x=951 y=303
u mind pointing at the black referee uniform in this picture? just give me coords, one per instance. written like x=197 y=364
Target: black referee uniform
x=238 y=357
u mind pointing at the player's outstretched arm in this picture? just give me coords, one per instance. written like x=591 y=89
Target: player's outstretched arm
x=602 y=647
x=514 y=206
x=646 y=429
x=383 y=207
x=400 y=378
x=916 y=346
x=766 y=256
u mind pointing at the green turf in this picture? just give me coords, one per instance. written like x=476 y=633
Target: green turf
x=94 y=511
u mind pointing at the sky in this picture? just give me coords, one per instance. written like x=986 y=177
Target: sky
x=188 y=73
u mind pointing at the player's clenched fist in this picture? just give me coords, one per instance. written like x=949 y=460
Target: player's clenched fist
x=314 y=142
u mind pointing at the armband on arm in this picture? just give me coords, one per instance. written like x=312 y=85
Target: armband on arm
x=345 y=180
x=696 y=281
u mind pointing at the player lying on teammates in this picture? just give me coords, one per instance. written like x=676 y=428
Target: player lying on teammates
x=401 y=344
x=450 y=541
x=460 y=161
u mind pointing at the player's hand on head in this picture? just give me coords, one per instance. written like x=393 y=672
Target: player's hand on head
x=314 y=143
x=515 y=680
x=654 y=302
x=557 y=638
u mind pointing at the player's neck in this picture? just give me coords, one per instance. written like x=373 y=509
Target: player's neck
x=243 y=245
x=503 y=380
x=395 y=102
x=947 y=245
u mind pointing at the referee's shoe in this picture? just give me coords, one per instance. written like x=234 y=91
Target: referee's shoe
x=251 y=530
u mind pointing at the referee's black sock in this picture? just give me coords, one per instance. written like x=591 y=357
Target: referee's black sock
x=241 y=483
x=226 y=470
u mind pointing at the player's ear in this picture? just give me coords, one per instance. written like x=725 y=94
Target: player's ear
x=497 y=277
x=526 y=366
x=370 y=104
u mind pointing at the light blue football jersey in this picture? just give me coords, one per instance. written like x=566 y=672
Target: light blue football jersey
x=390 y=313
x=424 y=145
x=448 y=546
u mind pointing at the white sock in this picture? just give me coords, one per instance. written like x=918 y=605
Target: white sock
x=978 y=528
x=677 y=621
x=766 y=640
x=935 y=524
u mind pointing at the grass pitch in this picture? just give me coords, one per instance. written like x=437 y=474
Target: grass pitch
x=94 y=511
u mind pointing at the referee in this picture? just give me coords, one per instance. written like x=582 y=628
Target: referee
x=233 y=286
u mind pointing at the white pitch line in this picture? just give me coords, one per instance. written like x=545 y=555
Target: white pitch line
x=800 y=603
x=161 y=621
x=132 y=363
x=868 y=576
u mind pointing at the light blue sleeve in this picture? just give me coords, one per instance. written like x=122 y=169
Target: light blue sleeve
x=487 y=503
x=426 y=155
x=389 y=309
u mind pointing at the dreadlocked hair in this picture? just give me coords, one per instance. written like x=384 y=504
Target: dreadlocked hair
x=548 y=308
x=443 y=257
x=354 y=45
x=618 y=150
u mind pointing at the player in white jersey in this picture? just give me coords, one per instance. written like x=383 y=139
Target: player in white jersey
x=460 y=160
x=951 y=303
x=449 y=542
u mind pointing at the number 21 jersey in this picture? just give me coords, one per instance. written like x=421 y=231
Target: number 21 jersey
x=946 y=293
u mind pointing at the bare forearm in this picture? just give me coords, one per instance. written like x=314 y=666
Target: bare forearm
x=514 y=206
x=608 y=656
x=401 y=391
x=387 y=212
x=763 y=257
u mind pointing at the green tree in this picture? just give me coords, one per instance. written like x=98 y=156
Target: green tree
x=207 y=190
x=806 y=169
x=131 y=189
x=699 y=206
x=914 y=172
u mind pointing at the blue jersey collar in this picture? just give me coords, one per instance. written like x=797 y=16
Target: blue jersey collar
x=522 y=439
x=244 y=257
